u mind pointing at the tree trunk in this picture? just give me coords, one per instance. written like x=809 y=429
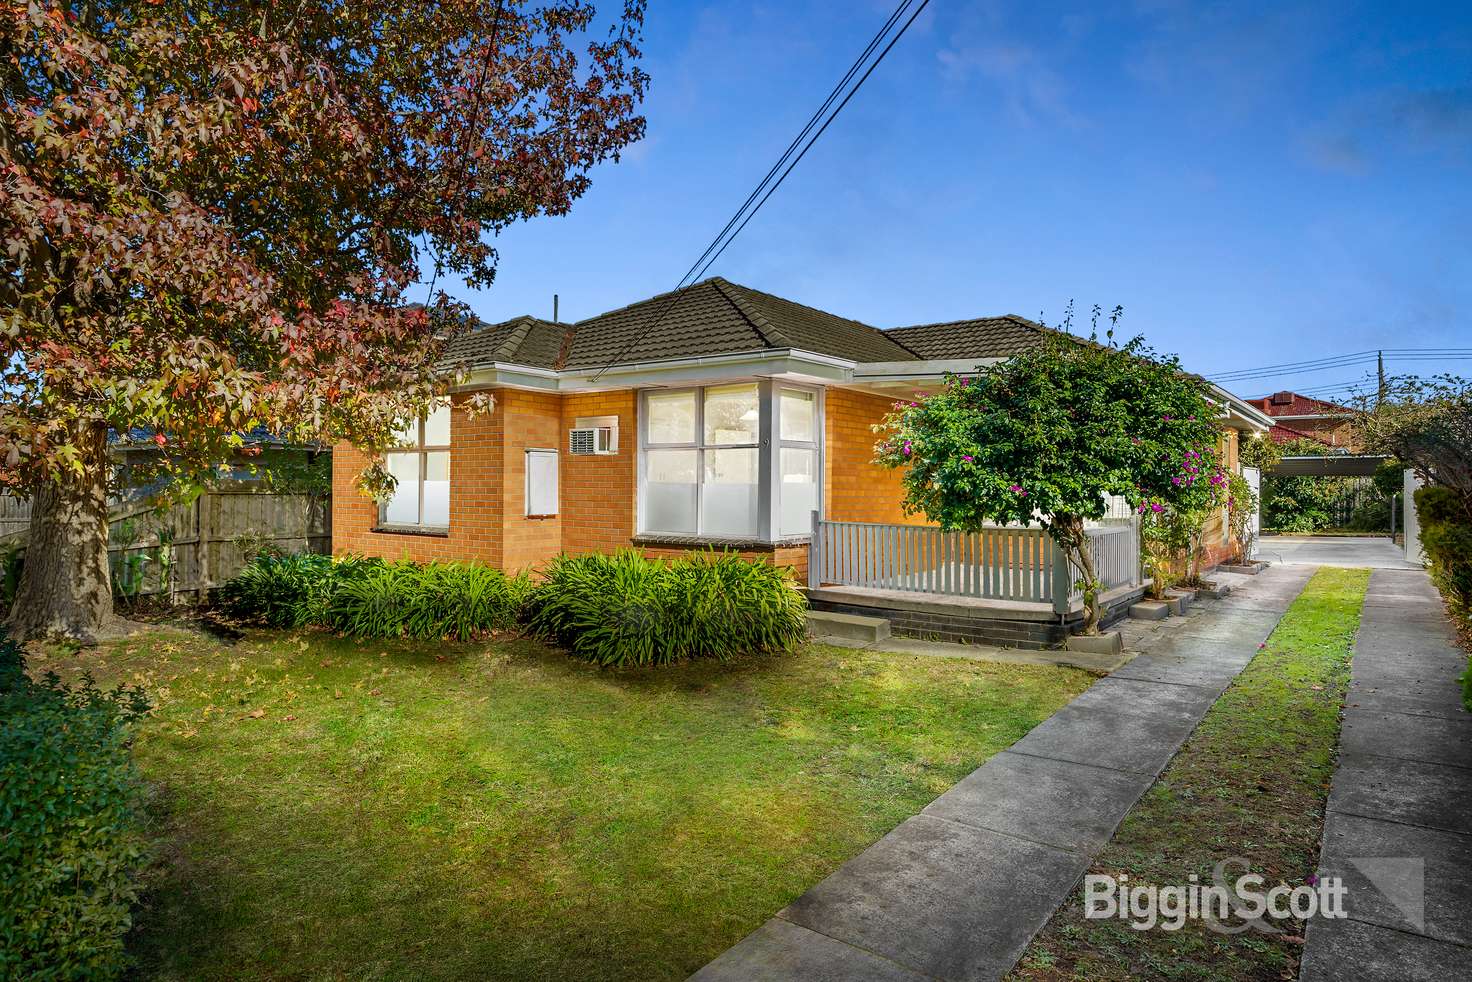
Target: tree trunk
x=65 y=589
x=1083 y=559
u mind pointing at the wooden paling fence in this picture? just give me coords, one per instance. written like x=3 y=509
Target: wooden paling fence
x=193 y=547
x=998 y=563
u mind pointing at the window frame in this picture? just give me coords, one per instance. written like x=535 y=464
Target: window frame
x=421 y=451
x=769 y=444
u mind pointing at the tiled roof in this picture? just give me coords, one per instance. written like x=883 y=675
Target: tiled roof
x=523 y=340
x=718 y=317
x=981 y=337
x=1296 y=404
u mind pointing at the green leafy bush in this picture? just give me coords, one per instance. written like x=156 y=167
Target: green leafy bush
x=1446 y=535
x=624 y=609
x=291 y=590
x=72 y=843
x=433 y=600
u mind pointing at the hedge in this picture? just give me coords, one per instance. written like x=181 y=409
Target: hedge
x=72 y=845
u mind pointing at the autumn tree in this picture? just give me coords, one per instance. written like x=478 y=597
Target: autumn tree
x=1043 y=437
x=212 y=214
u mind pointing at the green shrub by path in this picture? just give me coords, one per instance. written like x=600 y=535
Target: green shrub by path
x=1251 y=782
x=72 y=844
x=464 y=601
x=1446 y=536
x=624 y=609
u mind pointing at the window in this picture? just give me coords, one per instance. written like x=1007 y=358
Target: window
x=798 y=461
x=421 y=466
x=717 y=462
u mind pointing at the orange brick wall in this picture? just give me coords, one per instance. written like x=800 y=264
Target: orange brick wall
x=530 y=420
x=598 y=507
x=855 y=489
x=475 y=499
x=598 y=512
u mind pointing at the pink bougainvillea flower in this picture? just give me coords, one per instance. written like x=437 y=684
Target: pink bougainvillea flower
x=1176 y=480
x=908 y=449
x=1015 y=487
x=1157 y=508
x=1166 y=418
x=160 y=439
x=968 y=458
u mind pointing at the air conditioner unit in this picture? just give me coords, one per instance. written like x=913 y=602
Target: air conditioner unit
x=597 y=435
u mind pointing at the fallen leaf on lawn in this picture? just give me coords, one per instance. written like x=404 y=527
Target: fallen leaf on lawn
x=287 y=719
x=375 y=692
x=1293 y=938
x=337 y=694
x=326 y=662
x=254 y=714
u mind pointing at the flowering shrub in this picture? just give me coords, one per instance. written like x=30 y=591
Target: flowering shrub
x=1045 y=436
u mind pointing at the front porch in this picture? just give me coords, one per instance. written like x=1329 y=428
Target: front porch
x=1003 y=585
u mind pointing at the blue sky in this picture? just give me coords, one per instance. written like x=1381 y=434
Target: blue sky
x=1255 y=183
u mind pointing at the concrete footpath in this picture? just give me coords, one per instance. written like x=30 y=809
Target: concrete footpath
x=1399 y=823
x=958 y=891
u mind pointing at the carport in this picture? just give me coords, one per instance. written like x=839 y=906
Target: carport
x=1347 y=550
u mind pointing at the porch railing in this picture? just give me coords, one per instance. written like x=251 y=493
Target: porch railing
x=996 y=563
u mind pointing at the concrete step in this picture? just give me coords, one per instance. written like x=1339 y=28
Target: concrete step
x=853 y=627
x=1150 y=610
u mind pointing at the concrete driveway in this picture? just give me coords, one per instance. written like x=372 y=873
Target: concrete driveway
x=1367 y=551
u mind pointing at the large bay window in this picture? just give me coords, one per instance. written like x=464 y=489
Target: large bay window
x=420 y=464
x=733 y=461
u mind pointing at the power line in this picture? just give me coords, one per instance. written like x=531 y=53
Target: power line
x=766 y=187
x=1346 y=361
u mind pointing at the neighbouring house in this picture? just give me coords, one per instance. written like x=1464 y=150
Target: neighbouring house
x=1296 y=417
x=719 y=415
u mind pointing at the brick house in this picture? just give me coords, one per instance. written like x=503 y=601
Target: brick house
x=1296 y=416
x=728 y=416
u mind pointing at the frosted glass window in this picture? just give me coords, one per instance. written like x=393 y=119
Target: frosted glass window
x=799 y=490
x=799 y=416
x=671 y=417
x=670 y=491
x=702 y=463
x=403 y=507
x=407 y=435
x=732 y=414
x=730 y=493
x=437 y=426
x=421 y=497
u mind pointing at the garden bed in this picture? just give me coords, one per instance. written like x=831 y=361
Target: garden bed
x=324 y=808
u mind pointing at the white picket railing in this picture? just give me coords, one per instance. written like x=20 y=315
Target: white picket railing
x=996 y=563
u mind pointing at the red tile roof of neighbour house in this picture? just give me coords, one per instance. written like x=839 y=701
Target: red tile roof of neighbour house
x=1295 y=404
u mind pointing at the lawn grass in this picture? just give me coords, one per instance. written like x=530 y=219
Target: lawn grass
x=1250 y=783
x=325 y=809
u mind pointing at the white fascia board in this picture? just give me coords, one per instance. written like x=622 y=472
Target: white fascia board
x=1241 y=412
x=1317 y=416
x=919 y=371
x=762 y=363
x=502 y=376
